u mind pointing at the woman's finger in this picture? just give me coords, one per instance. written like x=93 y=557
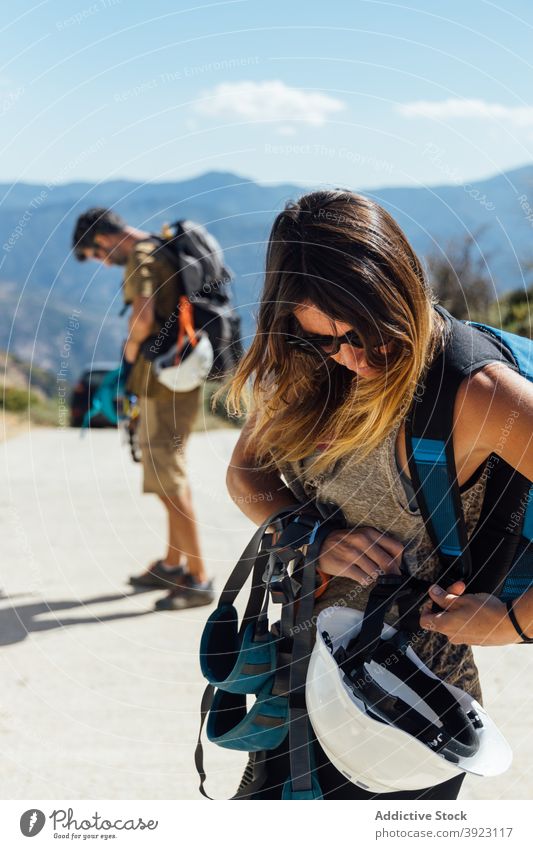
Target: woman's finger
x=390 y=544
x=444 y=599
x=359 y=575
x=372 y=554
x=457 y=588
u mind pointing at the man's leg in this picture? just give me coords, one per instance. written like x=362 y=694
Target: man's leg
x=183 y=539
x=191 y=586
x=163 y=434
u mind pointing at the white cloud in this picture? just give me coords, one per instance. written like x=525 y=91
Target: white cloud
x=271 y=100
x=519 y=116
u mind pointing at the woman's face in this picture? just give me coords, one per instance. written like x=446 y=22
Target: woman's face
x=314 y=322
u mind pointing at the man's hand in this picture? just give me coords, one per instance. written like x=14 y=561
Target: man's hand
x=131 y=351
x=472 y=619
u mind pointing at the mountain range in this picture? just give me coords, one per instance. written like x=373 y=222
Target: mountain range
x=47 y=299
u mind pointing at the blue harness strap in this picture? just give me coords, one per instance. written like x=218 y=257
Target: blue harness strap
x=437 y=486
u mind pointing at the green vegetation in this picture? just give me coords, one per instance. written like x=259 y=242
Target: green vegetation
x=40 y=410
x=461 y=280
x=16 y=400
x=514 y=312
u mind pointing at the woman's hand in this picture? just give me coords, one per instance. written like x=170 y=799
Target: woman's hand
x=362 y=555
x=472 y=619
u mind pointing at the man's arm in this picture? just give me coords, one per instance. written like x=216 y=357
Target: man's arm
x=140 y=284
x=139 y=326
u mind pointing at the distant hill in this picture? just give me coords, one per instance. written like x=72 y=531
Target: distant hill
x=42 y=287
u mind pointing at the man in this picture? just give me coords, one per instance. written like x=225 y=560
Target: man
x=150 y=287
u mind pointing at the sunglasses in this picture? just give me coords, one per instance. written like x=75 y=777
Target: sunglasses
x=328 y=345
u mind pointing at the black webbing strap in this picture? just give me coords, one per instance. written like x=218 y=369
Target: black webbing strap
x=380 y=599
x=456 y=731
x=244 y=566
x=387 y=590
x=430 y=689
x=205 y=707
x=496 y=538
x=300 y=733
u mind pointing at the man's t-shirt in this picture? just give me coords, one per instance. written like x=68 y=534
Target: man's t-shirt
x=147 y=275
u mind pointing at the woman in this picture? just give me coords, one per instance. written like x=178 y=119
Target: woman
x=347 y=328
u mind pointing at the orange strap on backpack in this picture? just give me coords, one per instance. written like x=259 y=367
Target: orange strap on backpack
x=185 y=325
x=324 y=581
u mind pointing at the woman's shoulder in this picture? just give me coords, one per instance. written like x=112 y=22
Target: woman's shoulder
x=491 y=389
x=487 y=402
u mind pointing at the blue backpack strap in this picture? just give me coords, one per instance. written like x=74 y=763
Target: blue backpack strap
x=429 y=441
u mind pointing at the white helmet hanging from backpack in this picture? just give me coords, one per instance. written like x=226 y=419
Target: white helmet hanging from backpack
x=385 y=721
x=188 y=363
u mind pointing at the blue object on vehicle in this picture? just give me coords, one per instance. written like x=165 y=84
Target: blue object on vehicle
x=105 y=400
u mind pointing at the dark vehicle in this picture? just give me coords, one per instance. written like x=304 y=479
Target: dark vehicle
x=80 y=400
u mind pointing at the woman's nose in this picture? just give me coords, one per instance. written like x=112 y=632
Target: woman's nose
x=351 y=358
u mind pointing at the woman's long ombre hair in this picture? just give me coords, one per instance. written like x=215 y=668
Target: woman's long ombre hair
x=344 y=254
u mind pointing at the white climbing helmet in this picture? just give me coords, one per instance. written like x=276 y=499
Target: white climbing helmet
x=190 y=371
x=389 y=724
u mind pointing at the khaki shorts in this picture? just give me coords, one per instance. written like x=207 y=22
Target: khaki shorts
x=164 y=429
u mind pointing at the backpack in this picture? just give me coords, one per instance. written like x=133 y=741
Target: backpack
x=205 y=280
x=498 y=557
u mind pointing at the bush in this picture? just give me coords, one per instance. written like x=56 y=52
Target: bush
x=16 y=400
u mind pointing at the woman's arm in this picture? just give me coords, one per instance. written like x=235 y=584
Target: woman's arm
x=495 y=416
x=360 y=554
x=478 y=619
x=258 y=494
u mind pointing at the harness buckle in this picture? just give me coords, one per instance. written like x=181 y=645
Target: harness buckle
x=276 y=576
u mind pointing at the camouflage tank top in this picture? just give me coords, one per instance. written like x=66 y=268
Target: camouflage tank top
x=370 y=492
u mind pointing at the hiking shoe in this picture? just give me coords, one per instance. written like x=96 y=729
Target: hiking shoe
x=189 y=593
x=157 y=577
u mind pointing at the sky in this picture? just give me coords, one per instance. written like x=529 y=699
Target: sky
x=358 y=93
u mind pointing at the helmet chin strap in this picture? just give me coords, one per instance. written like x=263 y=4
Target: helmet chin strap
x=455 y=737
x=404 y=588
